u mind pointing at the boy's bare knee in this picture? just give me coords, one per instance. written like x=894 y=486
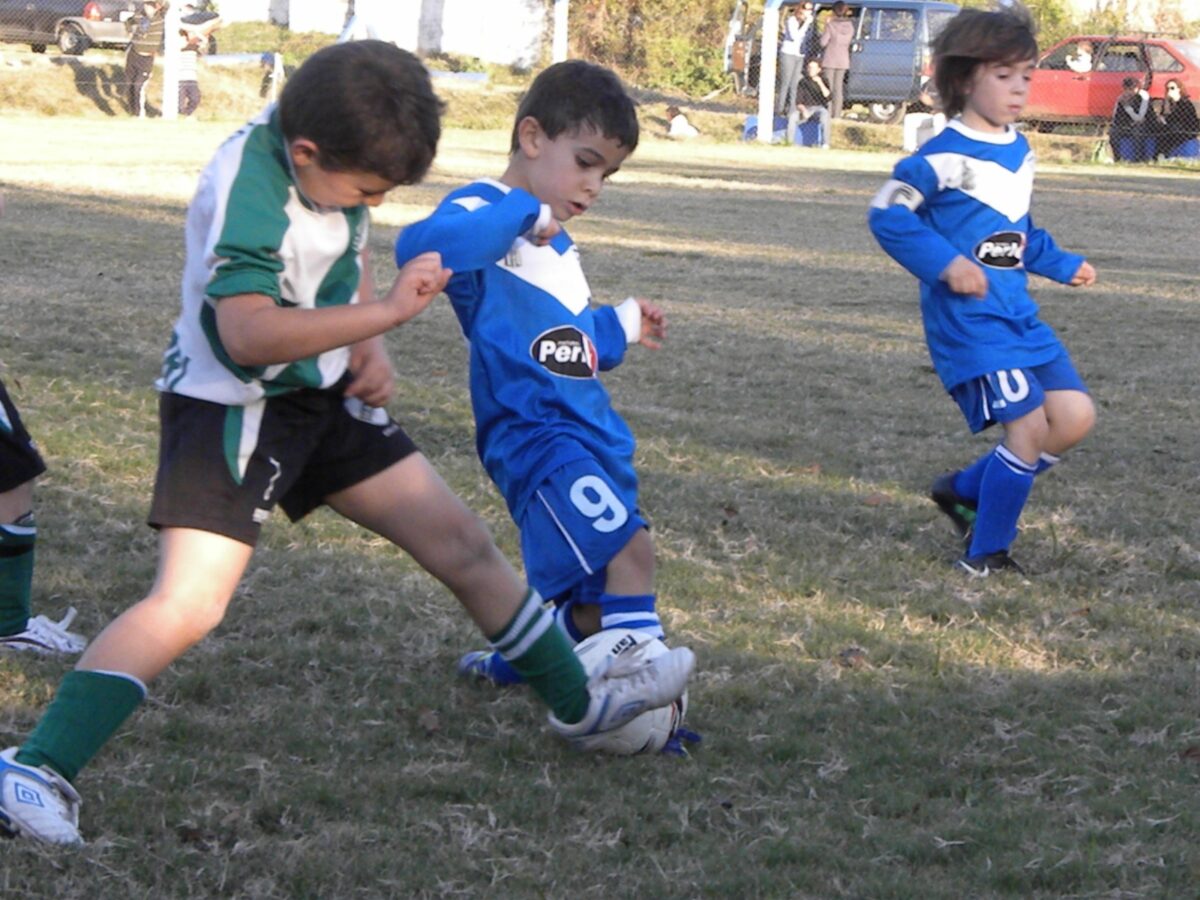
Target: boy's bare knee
x=470 y=543
x=191 y=615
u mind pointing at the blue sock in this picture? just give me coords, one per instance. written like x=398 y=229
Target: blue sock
x=636 y=612
x=1045 y=461
x=565 y=621
x=966 y=482
x=1007 y=481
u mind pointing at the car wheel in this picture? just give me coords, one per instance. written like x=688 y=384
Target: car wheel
x=886 y=113
x=71 y=40
x=38 y=48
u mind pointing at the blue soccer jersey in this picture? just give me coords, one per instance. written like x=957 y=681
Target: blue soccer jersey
x=967 y=193
x=536 y=342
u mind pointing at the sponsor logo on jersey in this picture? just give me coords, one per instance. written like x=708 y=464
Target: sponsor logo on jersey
x=565 y=351
x=1002 y=250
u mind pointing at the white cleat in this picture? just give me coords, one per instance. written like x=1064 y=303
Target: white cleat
x=44 y=636
x=625 y=687
x=37 y=803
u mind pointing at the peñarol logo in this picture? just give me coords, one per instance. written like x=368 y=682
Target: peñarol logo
x=1002 y=250
x=565 y=351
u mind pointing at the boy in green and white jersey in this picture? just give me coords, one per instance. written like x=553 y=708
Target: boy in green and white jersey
x=271 y=394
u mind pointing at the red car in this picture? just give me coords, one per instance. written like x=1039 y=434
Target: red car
x=1078 y=80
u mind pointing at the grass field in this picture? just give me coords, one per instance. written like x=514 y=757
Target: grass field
x=875 y=726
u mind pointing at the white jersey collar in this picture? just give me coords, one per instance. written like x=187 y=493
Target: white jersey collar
x=1007 y=136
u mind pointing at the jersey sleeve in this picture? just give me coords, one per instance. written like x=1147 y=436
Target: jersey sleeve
x=1044 y=257
x=897 y=225
x=612 y=336
x=470 y=232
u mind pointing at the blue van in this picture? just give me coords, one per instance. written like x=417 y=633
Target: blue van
x=889 y=59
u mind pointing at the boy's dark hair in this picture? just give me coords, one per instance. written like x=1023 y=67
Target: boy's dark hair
x=573 y=94
x=839 y=8
x=973 y=38
x=368 y=106
x=1130 y=83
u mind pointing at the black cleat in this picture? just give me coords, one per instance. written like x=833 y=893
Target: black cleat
x=990 y=564
x=959 y=510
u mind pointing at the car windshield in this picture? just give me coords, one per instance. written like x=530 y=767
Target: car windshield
x=938 y=19
x=1190 y=49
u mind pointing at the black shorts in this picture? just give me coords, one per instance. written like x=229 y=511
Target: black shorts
x=224 y=468
x=19 y=458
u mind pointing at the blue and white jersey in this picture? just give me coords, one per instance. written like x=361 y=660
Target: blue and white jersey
x=967 y=193
x=536 y=342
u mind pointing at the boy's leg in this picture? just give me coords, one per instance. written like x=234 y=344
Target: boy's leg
x=20 y=464
x=410 y=505
x=1071 y=414
x=197 y=574
x=1005 y=486
x=18 y=534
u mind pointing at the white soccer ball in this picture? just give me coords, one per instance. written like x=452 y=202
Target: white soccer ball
x=650 y=731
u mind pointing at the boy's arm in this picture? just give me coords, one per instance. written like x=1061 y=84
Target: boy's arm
x=1044 y=257
x=899 y=230
x=256 y=331
x=633 y=321
x=471 y=233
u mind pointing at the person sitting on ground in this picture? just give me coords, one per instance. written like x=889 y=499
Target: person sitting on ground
x=812 y=99
x=1128 y=129
x=678 y=125
x=1180 y=124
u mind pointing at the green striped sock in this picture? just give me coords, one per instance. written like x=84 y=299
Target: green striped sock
x=16 y=573
x=542 y=655
x=87 y=710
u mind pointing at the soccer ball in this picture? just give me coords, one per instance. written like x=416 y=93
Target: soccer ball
x=650 y=731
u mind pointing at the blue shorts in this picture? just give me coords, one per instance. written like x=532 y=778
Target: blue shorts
x=1008 y=394
x=577 y=520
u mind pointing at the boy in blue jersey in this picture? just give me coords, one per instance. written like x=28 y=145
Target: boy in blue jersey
x=271 y=391
x=546 y=430
x=956 y=215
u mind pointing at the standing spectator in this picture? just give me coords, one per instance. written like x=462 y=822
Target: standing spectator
x=1128 y=131
x=835 y=61
x=1180 y=124
x=146 y=39
x=797 y=35
x=812 y=99
x=189 y=83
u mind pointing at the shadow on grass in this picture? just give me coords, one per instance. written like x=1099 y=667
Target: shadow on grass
x=104 y=85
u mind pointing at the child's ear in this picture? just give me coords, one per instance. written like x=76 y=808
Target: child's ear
x=530 y=136
x=303 y=152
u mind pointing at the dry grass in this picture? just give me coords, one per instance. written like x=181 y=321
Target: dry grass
x=875 y=727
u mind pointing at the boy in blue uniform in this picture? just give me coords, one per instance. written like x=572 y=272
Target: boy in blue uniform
x=545 y=427
x=271 y=388
x=956 y=215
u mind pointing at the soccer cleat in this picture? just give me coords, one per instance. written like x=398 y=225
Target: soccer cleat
x=624 y=686
x=489 y=666
x=44 y=636
x=989 y=564
x=960 y=510
x=37 y=803
x=676 y=744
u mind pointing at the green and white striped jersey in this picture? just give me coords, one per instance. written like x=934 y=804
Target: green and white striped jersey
x=250 y=231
